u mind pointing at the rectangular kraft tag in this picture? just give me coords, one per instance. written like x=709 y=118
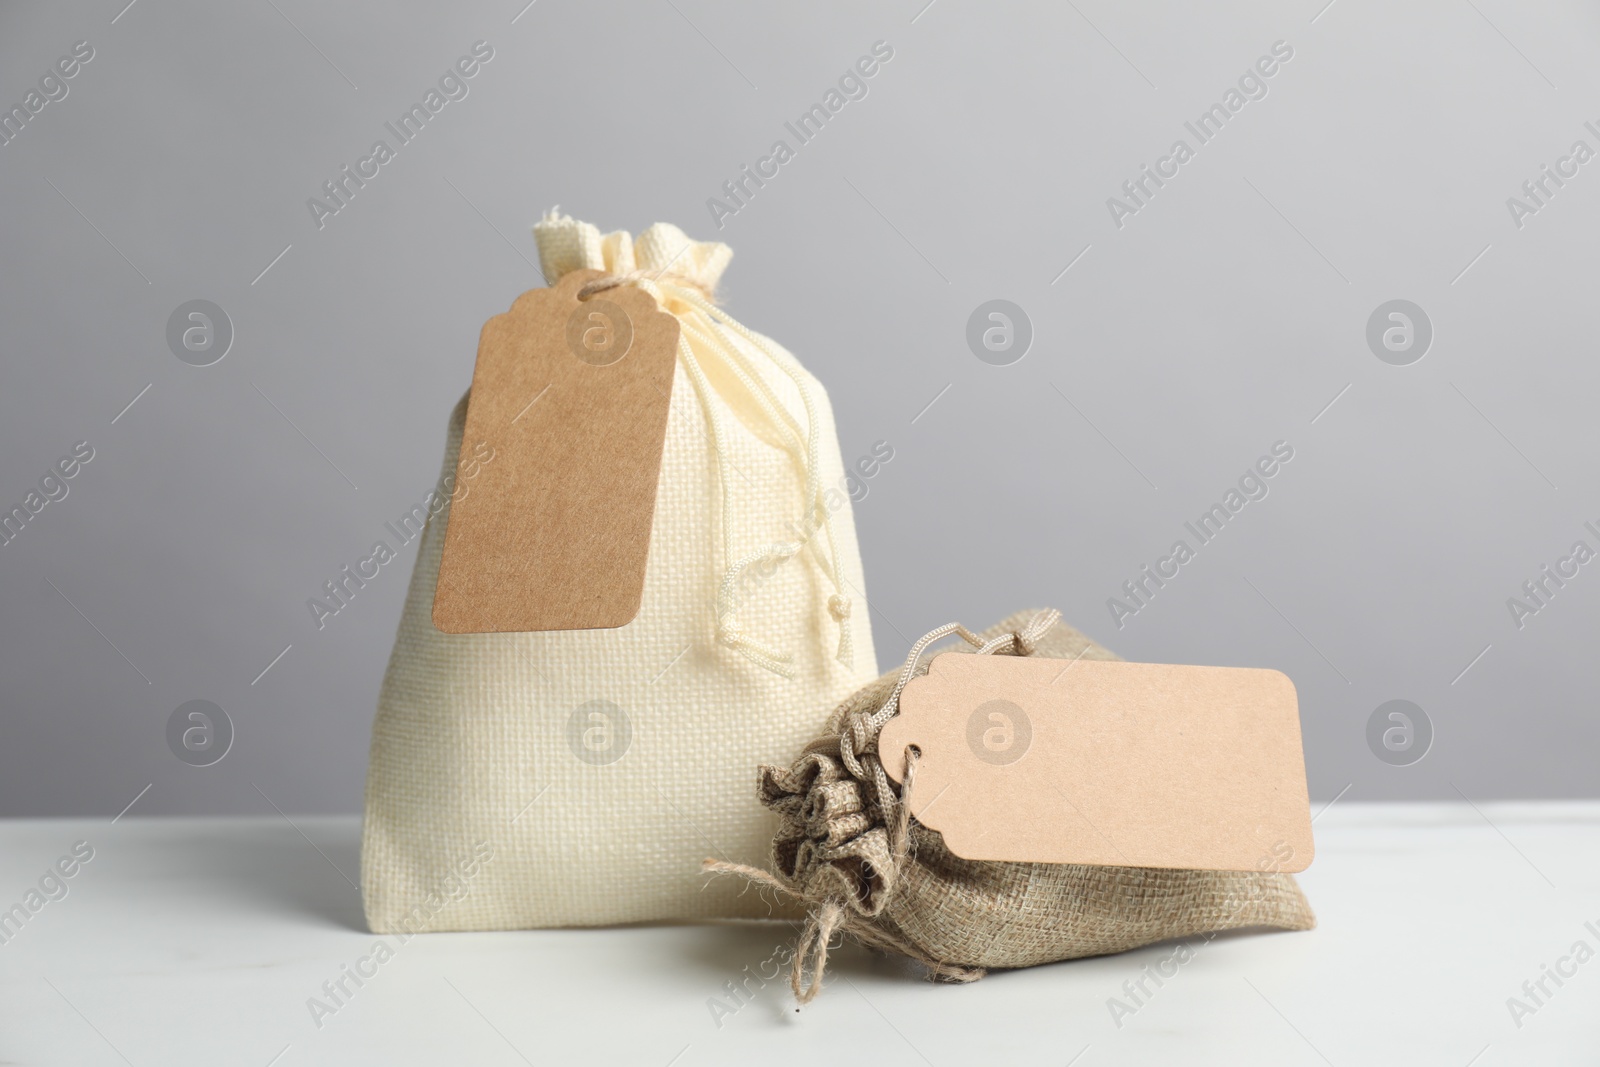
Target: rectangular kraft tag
x=1026 y=759
x=573 y=397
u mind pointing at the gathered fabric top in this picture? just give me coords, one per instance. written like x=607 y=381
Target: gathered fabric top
x=566 y=245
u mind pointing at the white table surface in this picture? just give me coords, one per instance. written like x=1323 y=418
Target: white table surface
x=200 y=941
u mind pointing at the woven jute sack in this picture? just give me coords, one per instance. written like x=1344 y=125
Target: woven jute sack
x=848 y=850
x=574 y=778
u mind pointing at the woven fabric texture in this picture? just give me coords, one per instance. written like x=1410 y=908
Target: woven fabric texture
x=962 y=917
x=596 y=768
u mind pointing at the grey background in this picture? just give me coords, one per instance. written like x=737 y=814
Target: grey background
x=1225 y=316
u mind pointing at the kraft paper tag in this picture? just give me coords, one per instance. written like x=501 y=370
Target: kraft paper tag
x=572 y=396
x=1026 y=759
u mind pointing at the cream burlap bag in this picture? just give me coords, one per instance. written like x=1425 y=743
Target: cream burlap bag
x=849 y=851
x=592 y=768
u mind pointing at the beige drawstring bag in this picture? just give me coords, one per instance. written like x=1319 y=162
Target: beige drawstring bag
x=576 y=778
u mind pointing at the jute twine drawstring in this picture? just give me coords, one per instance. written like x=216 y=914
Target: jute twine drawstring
x=707 y=327
x=830 y=909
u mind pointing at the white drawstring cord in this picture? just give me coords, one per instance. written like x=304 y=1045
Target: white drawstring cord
x=839 y=603
x=730 y=632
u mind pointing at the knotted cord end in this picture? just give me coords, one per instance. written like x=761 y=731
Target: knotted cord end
x=839 y=607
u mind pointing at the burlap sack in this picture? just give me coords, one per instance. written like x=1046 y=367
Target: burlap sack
x=848 y=849
x=573 y=778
